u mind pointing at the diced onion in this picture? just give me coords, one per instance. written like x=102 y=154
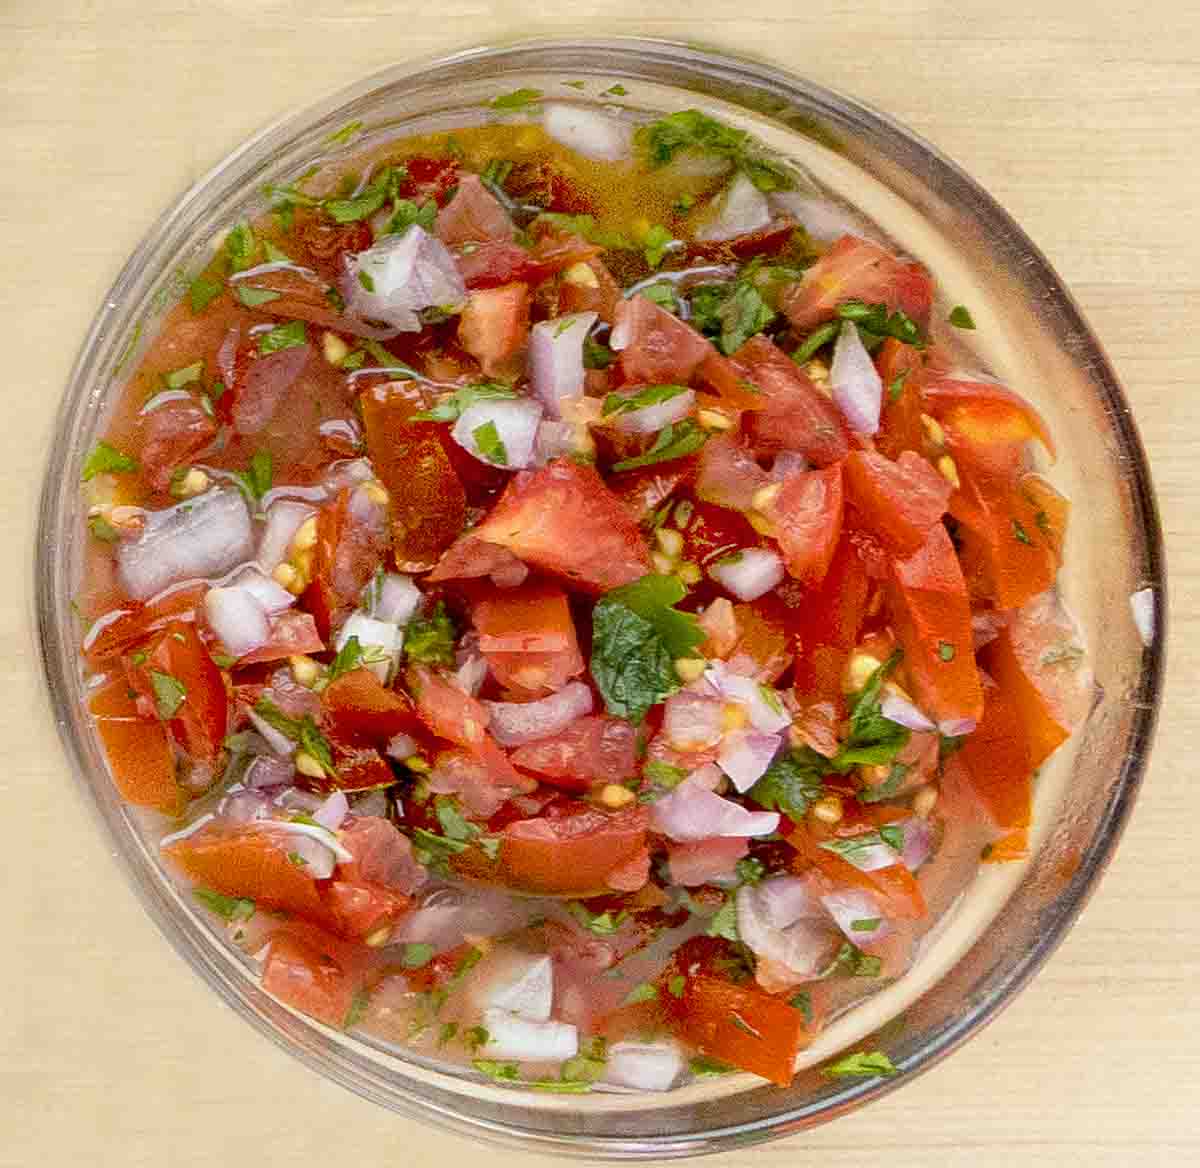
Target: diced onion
x=739 y=209
x=266 y=591
x=393 y=598
x=1141 y=605
x=785 y=924
x=512 y=1037
x=382 y=636
x=237 y=618
x=651 y=419
x=745 y=756
x=520 y=984
x=824 y=221
x=515 y=723
x=858 y=914
x=763 y=704
x=331 y=813
x=692 y=721
x=691 y=812
x=857 y=387
x=516 y=426
x=267 y=770
x=749 y=573
x=401 y=275
x=279 y=742
x=321 y=835
x=645 y=1066
x=900 y=710
x=589 y=132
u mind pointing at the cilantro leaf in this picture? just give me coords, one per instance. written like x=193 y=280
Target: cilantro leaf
x=454 y=824
x=303 y=731
x=169 y=694
x=663 y=773
x=358 y=1009
x=693 y=130
x=255 y=481
x=596 y=355
x=518 y=99
x=347 y=659
x=725 y=922
x=862 y=1064
x=407 y=213
x=178 y=378
x=240 y=246
x=655 y=245
x=202 y=291
x=430 y=640
x=603 y=924
x=730 y=313
x=649 y=395
x=873 y=739
x=704 y=1065
x=284 y=336
x=875 y=318
x=654 y=598
x=450 y=407
x=588 y=1065
x=416 y=954
x=674 y=441
x=106 y=459
x=229 y=908
x=961 y=317
x=489 y=443
x=854 y=962
x=630 y=664
x=502 y=1072
x=815 y=340
x=792 y=783
x=888 y=788
x=643 y=992
x=252 y=297
x=586 y=227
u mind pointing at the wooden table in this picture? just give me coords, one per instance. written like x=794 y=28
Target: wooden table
x=1082 y=118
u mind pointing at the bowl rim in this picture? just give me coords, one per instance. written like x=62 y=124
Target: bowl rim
x=56 y=645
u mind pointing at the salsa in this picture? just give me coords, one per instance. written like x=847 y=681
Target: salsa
x=563 y=606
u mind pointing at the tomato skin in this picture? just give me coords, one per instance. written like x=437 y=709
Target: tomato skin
x=120 y=631
x=357 y=707
x=573 y=854
x=429 y=178
x=999 y=763
x=929 y=606
x=857 y=269
x=590 y=750
x=900 y=426
x=564 y=520
x=473 y=215
x=200 y=724
x=807 y=518
x=428 y=502
x=528 y=637
x=661 y=349
x=985 y=414
x=643 y=491
x=727 y=380
x=312 y=972
x=494 y=325
x=138 y=751
x=171 y=435
x=292 y=633
x=897 y=502
x=797 y=415
x=360 y=908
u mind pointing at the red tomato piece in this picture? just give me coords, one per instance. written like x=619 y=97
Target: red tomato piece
x=769 y=240
x=357 y=707
x=898 y=502
x=592 y=749
x=984 y=413
x=118 y=631
x=428 y=502
x=532 y=618
x=172 y=434
x=1053 y=511
x=327 y=241
x=902 y=371
x=660 y=349
x=429 y=178
x=494 y=325
x=731 y=386
x=761 y=649
x=382 y=855
x=928 y=601
x=359 y=909
x=807 y=519
x=473 y=215
x=142 y=762
x=447 y=711
x=574 y=854
x=315 y=975
x=857 y=269
x=291 y=634
x=643 y=491
x=713 y=532
x=796 y=416
x=728 y=475
x=998 y=762
x=535 y=674
x=564 y=520
x=575 y=295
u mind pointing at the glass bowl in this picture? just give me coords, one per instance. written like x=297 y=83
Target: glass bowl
x=1031 y=334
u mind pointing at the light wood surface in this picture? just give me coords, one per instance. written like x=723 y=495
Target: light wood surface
x=1082 y=117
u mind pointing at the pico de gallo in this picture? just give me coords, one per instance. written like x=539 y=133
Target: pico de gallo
x=564 y=606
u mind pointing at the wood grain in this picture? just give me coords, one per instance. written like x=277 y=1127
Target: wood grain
x=1082 y=118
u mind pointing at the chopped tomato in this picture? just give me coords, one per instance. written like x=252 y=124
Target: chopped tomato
x=120 y=630
x=473 y=215
x=571 y=855
x=902 y=371
x=998 y=762
x=382 y=855
x=1038 y=662
x=857 y=269
x=494 y=325
x=769 y=240
x=712 y=532
x=728 y=474
x=249 y=861
x=807 y=519
x=328 y=241
x=1052 y=511
x=429 y=178
x=357 y=707
x=897 y=502
x=727 y=379
x=200 y=720
x=643 y=491
x=564 y=520
x=600 y=294
x=592 y=749
x=142 y=762
x=447 y=711
x=796 y=416
x=528 y=637
x=660 y=349
x=313 y=973
x=291 y=633
x=984 y=413
x=428 y=503
x=761 y=647
x=172 y=434
x=543 y=184
x=360 y=908
x=928 y=599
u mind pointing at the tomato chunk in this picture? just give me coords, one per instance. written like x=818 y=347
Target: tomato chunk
x=898 y=502
x=592 y=749
x=313 y=973
x=494 y=325
x=360 y=908
x=985 y=413
x=659 y=348
x=172 y=434
x=999 y=763
x=807 y=518
x=138 y=751
x=929 y=605
x=427 y=498
x=902 y=371
x=357 y=706
x=121 y=629
x=473 y=215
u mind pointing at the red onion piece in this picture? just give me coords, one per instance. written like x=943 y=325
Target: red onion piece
x=956 y=727
x=227 y=356
x=393 y=598
x=901 y=711
x=691 y=812
x=554 y=440
x=382 y=854
x=589 y=132
x=515 y=723
x=516 y=426
x=787 y=462
x=745 y=756
x=244 y=806
x=701 y=861
x=857 y=387
x=279 y=742
x=331 y=813
x=918 y=842
x=764 y=705
x=748 y=573
x=823 y=220
x=692 y=721
x=556 y=359
x=858 y=914
x=513 y=1037
x=728 y=475
x=780 y=927
x=267 y=770
x=405 y=274
x=740 y=209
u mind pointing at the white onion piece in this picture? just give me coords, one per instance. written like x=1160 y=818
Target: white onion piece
x=279 y=742
x=266 y=591
x=401 y=275
x=857 y=387
x=512 y=1037
x=269 y=771
x=956 y=727
x=197 y=539
x=244 y=806
x=589 y=132
x=283 y=521
x=691 y=812
x=348 y=472
x=823 y=220
x=738 y=210
x=392 y=597
x=515 y=723
x=900 y=710
x=645 y=1066
x=381 y=636
x=783 y=900
x=401 y=746
x=745 y=756
x=801 y=945
x=294 y=799
x=763 y=704
x=520 y=984
x=692 y=721
x=516 y=423
x=447 y=913
x=237 y=618
x=918 y=842
x=331 y=813
x=651 y=419
x=556 y=358
x=871 y=857
x=749 y=573
x=1141 y=605
x=321 y=835
x=849 y=908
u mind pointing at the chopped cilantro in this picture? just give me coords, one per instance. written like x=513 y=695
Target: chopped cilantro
x=169 y=693
x=643 y=992
x=875 y=319
x=674 y=441
x=815 y=340
x=596 y=355
x=358 y=1009
x=454 y=824
x=648 y=395
x=861 y=1064
x=430 y=640
x=416 y=954
x=348 y=658
x=603 y=924
x=663 y=773
x=749 y=870
x=586 y=227
x=106 y=459
x=253 y=297
x=517 y=100
x=284 y=336
x=803 y=1002
x=588 y=1065
x=303 y=731
x=887 y=788
x=693 y=130
x=256 y=480
x=474 y=1037
x=501 y=1072
x=961 y=318
x=1020 y=534
x=945 y=651
x=229 y=908
x=873 y=739
x=617 y=90
x=896 y=388
x=347 y=133
x=366 y=280
x=724 y=923
x=451 y=406
x=704 y=1066
x=792 y=783
x=851 y=959
x=178 y=378
x=240 y=246
x=655 y=245
x=407 y=213
x=676 y=984
x=730 y=313
x=865 y=924
x=203 y=291
x=489 y=443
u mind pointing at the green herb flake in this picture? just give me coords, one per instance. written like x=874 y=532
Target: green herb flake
x=724 y=923
x=408 y=214
x=878 y=321
x=896 y=388
x=240 y=246
x=106 y=459
x=693 y=130
x=676 y=984
x=416 y=954
x=850 y=959
x=744 y=1026
x=617 y=90
x=865 y=924
x=452 y=406
x=256 y=480
x=489 y=444
x=1020 y=534
x=575 y=84
x=447 y=1033
x=284 y=336
x=683 y=204
x=501 y=1072
x=603 y=924
x=945 y=651
x=358 y=1009
x=229 y=908
x=430 y=640
x=803 y=1002
x=519 y=99
x=664 y=774
x=873 y=740
x=792 y=784
x=474 y=1037
x=347 y=133
x=730 y=313
x=861 y=1064
x=814 y=341
x=649 y=395
x=704 y=1066
x=597 y=355
x=961 y=318
x=643 y=992
x=254 y=297
x=888 y=788
x=588 y=1065
x=202 y=291
x=655 y=245
x=674 y=441
x=354 y=360
x=586 y=227
x=750 y=870
x=178 y=378
x=169 y=694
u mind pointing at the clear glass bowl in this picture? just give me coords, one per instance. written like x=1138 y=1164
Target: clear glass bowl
x=1031 y=334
